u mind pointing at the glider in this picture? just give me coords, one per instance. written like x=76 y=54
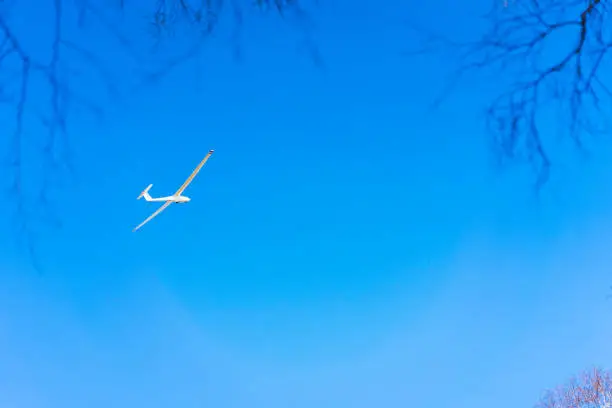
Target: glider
x=175 y=198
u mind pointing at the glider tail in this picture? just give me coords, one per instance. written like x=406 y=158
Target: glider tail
x=145 y=193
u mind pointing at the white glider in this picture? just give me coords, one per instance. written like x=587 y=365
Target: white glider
x=175 y=198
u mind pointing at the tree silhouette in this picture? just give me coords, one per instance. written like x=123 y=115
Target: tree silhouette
x=552 y=56
x=38 y=64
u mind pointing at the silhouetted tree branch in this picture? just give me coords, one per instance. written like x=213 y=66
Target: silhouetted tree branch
x=14 y=55
x=26 y=73
x=553 y=56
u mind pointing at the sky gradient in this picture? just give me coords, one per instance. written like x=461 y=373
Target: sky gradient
x=344 y=246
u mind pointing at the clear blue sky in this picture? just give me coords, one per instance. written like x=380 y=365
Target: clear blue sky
x=343 y=248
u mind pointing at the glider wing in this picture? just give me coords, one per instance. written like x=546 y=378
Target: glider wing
x=195 y=172
x=160 y=209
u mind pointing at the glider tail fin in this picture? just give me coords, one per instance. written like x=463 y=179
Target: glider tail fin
x=145 y=193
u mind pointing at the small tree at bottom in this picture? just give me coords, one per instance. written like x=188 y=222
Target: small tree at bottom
x=591 y=389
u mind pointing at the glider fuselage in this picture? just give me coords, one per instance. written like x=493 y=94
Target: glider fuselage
x=175 y=199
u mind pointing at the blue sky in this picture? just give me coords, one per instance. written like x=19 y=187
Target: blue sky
x=343 y=246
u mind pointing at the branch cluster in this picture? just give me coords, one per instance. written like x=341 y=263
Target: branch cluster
x=548 y=52
x=592 y=389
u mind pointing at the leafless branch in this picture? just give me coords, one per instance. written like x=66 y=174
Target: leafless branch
x=592 y=389
x=199 y=20
x=546 y=52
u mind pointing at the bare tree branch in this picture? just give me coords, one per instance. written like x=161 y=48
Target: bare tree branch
x=591 y=389
x=552 y=53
